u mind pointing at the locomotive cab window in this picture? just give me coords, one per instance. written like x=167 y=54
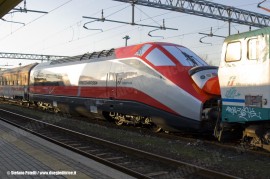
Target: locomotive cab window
x=253 y=49
x=185 y=56
x=233 y=52
x=143 y=49
x=158 y=58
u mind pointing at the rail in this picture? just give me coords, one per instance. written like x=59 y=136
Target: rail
x=134 y=162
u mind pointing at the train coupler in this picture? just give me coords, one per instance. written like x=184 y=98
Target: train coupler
x=228 y=132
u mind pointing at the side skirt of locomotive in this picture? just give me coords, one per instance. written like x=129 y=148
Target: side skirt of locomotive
x=128 y=112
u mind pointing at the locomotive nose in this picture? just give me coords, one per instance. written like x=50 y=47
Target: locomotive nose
x=212 y=86
x=206 y=78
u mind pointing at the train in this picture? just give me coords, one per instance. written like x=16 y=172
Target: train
x=245 y=88
x=160 y=85
x=163 y=86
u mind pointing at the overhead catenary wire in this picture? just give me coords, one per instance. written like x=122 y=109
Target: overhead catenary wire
x=166 y=37
x=54 y=9
x=25 y=10
x=113 y=28
x=151 y=31
x=75 y=39
x=108 y=30
x=123 y=33
x=12 y=21
x=75 y=24
x=264 y=8
x=211 y=34
x=168 y=12
x=187 y=15
x=103 y=19
x=115 y=31
x=148 y=16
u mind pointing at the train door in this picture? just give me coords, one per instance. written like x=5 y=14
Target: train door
x=114 y=80
x=111 y=85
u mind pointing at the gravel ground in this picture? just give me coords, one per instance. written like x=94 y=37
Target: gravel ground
x=236 y=161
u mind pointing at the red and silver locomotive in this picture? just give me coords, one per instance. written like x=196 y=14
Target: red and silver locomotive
x=160 y=84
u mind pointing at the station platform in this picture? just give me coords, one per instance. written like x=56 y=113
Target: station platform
x=24 y=155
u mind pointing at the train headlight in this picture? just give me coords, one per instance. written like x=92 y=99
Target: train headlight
x=202 y=77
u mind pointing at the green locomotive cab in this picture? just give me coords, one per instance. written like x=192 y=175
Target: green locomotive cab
x=244 y=77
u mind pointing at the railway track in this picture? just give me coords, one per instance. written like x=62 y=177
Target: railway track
x=191 y=138
x=134 y=162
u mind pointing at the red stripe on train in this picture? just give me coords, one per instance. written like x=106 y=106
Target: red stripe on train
x=122 y=93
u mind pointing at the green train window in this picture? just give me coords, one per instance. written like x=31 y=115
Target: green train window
x=233 y=52
x=253 y=49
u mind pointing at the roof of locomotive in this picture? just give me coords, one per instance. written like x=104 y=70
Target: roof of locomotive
x=122 y=52
x=252 y=33
x=129 y=51
x=86 y=56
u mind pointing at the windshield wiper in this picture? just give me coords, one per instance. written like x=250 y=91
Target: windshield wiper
x=191 y=59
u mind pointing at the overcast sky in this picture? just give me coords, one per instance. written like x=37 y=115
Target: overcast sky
x=61 y=32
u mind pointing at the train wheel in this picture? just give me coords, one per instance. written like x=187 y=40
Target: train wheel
x=119 y=120
x=27 y=104
x=56 y=110
x=119 y=123
x=155 y=128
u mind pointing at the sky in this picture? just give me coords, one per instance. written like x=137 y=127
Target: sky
x=61 y=32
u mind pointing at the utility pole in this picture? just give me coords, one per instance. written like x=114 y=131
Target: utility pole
x=230 y=21
x=126 y=38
